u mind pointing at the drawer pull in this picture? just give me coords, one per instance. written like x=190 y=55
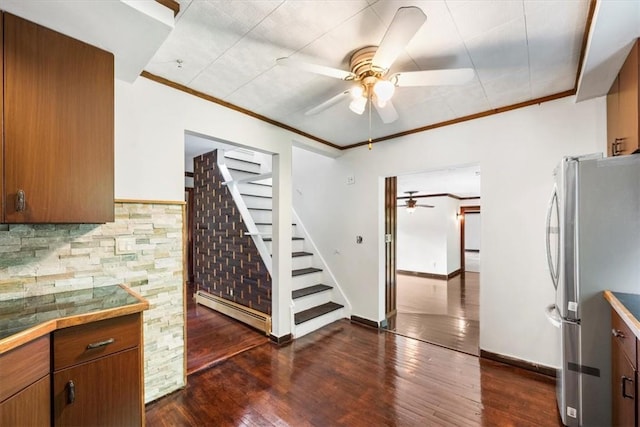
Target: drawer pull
x=71 y=392
x=624 y=387
x=617 y=333
x=20 y=201
x=100 y=344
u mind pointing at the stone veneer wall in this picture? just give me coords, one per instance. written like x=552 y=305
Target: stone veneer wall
x=141 y=249
x=226 y=261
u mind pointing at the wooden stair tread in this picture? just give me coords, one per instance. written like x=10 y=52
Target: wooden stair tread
x=255 y=195
x=259 y=209
x=258 y=183
x=314 y=312
x=242 y=170
x=300 y=253
x=241 y=160
x=303 y=271
x=268 y=239
x=310 y=290
x=269 y=223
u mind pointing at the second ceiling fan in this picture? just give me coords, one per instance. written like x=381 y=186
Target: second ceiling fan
x=370 y=67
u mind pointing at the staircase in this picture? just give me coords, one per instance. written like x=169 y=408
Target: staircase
x=316 y=299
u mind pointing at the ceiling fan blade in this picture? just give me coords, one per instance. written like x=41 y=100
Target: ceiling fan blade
x=328 y=103
x=456 y=76
x=388 y=113
x=403 y=27
x=315 y=68
x=426 y=206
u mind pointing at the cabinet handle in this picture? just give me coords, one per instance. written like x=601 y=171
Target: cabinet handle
x=617 y=333
x=616 y=149
x=71 y=392
x=624 y=387
x=100 y=344
x=20 y=201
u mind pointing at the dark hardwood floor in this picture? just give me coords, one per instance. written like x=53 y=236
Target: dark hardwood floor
x=350 y=375
x=442 y=312
x=213 y=337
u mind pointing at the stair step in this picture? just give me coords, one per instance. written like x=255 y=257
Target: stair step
x=302 y=271
x=268 y=223
x=310 y=290
x=241 y=160
x=258 y=183
x=269 y=239
x=314 y=312
x=301 y=253
x=254 y=195
x=260 y=209
x=240 y=170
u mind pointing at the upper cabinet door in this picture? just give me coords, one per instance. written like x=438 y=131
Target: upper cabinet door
x=58 y=127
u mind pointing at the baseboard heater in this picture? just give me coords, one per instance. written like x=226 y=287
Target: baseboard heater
x=237 y=311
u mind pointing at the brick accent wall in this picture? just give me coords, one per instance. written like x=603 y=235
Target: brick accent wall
x=227 y=262
x=142 y=249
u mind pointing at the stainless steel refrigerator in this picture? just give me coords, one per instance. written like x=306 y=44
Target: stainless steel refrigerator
x=593 y=244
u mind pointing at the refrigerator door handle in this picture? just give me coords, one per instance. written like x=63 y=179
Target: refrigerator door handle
x=552 y=270
x=552 y=315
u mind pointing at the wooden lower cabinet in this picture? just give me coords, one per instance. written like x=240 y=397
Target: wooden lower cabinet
x=103 y=392
x=623 y=387
x=29 y=407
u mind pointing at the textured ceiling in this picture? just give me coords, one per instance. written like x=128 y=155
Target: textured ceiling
x=520 y=50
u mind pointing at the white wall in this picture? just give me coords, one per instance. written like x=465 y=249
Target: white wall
x=517 y=152
x=422 y=237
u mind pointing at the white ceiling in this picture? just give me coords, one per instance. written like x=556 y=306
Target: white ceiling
x=459 y=180
x=520 y=50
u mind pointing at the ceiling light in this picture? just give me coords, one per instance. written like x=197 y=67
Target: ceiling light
x=357 y=92
x=358 y=105
x=411 y=210
x=384 y=90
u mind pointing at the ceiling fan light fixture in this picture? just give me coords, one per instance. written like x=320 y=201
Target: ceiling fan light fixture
x=384 y=90
x=358 y=105
x=357 y=91
x=411 y=210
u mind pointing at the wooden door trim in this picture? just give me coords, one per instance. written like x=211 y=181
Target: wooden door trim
x=390 y=228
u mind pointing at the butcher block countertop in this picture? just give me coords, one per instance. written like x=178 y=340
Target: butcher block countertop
x=628 y=307
x=24 y=319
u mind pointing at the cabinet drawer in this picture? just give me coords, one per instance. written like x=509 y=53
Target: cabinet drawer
x=23 y=366
x=82 y=343
x=624 y=337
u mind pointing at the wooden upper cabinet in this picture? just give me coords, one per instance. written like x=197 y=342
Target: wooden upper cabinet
x=58 y=97
x=623 y=110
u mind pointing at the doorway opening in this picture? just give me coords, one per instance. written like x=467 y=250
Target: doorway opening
x=436 y=291
x=211 y=336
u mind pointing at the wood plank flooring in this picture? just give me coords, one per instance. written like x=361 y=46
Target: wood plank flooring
x=213 y=337
x=350 y=375
x=441 y=312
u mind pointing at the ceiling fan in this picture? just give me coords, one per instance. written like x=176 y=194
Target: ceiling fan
x=411 y=203
x=370 y=67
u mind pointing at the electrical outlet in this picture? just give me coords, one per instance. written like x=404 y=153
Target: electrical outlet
x=351 y=180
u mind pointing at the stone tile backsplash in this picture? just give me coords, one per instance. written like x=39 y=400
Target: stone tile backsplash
x=142 y=249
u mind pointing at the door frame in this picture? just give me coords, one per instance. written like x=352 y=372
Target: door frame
x=390 y=231
x=461 y=213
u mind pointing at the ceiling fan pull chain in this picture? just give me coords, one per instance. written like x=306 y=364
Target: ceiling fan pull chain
x=369 y=121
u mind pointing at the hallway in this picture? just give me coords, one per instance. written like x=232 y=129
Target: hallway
x=440 y=312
